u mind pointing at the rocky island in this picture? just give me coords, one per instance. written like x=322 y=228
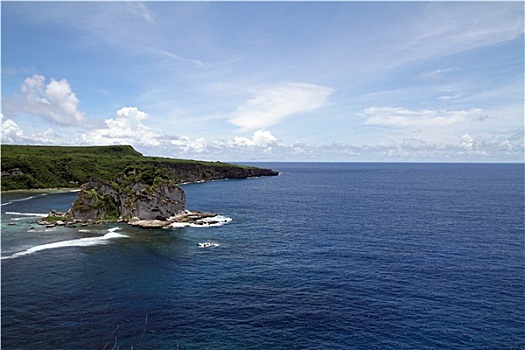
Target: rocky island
x=130 y=199
x=123 y=185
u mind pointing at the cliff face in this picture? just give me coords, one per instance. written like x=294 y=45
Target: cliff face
x=158 y=202
x=193 y=172
x=148 y=196
x=96 y=200
x=101 y=200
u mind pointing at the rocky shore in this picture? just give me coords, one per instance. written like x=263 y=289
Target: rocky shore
x=186 y=218
x=144 y=197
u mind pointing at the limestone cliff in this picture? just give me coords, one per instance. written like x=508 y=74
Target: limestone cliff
x=132 y=195
x=100 y=200
x=193 y=172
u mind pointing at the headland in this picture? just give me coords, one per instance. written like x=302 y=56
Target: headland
x=116 y=183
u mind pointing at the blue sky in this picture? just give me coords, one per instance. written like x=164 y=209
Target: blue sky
x=268 y=81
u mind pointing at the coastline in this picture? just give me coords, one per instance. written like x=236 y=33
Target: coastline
x=89 y=210
x=77 y=189
x=54 y=218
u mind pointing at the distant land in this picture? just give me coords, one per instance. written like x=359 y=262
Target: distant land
x=40 y=167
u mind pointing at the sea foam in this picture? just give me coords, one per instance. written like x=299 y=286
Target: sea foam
x=40 y=215
x=23 y=199
x=213 y=221
x=81 y=242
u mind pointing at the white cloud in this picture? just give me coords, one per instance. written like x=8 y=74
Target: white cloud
x=435 y=74
x=264 y=146
x=467 y=141
x=11 y=132
x=451 y=27
x=140 y=9
x=260 y=138
x=128 y=128
x=200 y=144
x=271 y=105
x=402 y=117
x=263 y=138
x=55 y=102
x=449 y=97
x=174 y=56
x=125 y=128
x=184 y=144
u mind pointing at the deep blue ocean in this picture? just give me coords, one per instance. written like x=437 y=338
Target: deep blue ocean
x=324 y=256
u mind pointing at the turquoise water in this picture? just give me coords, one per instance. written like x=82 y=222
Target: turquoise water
x=324 y=256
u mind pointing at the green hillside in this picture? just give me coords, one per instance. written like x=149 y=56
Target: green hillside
x=32 y=167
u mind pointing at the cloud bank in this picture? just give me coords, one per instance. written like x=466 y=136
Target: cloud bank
x=411 y=135
x=402 y=117
x=128 y=128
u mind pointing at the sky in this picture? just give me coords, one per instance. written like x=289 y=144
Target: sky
x=268 y=81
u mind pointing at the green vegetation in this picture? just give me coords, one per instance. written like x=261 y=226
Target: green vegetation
x=32 y=167
x=147 y=174
x=54 y=219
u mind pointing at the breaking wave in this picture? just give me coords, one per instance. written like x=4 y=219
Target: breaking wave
x=81 y=242
x=213 y=221
x=23 y=199
x=26 y=214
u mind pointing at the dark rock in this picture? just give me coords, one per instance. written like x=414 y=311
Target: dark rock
x=12 y=172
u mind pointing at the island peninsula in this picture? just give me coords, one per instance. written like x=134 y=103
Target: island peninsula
x=117 y=183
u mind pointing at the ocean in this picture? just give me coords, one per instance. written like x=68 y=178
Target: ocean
x=324 y=256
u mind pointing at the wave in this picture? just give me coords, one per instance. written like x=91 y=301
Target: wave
x=25 y=198
x=81 y=242
x=30 y=197
x=26 y=214
x=213 y=221
x=23 y=218
x=208 y=244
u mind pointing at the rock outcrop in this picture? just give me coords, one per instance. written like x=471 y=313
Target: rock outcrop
x=101 y=200
x=96 y=200
x=147 y=196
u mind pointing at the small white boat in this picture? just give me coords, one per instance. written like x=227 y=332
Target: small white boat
x=208 y=244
